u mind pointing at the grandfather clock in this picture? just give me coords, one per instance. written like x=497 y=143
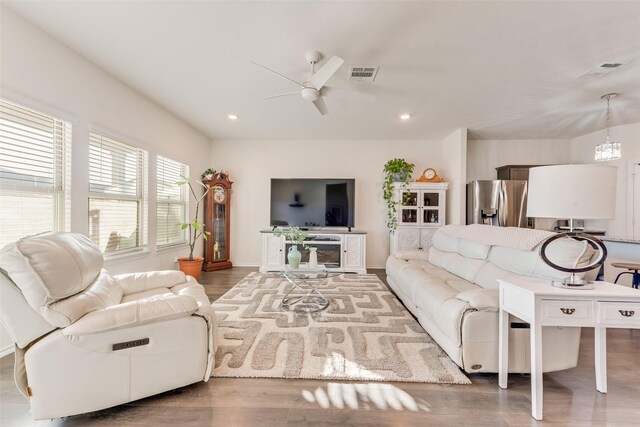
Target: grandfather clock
x=216 y=220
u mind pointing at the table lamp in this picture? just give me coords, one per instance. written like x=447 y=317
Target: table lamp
x=573 y=192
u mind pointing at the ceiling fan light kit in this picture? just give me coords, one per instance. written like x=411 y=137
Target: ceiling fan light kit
x=310 y=90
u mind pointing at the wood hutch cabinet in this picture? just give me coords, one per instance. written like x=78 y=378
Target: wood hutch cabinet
x=216 y=219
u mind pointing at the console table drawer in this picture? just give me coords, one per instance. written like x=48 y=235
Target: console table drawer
x=625 y=314
x=566 y=312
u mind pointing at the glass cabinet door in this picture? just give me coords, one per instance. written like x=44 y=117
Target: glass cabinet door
x=431 y=216
x=219 y=233
x=410 y=198
x=408 y=216
x=430 y=199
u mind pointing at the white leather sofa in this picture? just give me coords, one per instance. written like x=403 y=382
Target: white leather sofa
x=453 y=292
x=86 y=340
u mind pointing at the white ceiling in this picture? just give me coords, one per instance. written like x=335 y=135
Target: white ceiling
x=504 y=70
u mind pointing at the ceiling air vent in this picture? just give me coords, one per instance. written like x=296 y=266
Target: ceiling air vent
x=602 y=69
x=363 y=74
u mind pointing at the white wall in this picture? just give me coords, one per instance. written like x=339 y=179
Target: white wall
x=41 y=73
x=582 y=151
x=251 y=165
x=454 y=153
x=484 y=156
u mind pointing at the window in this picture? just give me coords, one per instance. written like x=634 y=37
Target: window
x=35 y=161
x=171 y=201
x=117 y=194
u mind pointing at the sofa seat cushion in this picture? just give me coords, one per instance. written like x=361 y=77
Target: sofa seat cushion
x=145 y=294
x=152 y=309
x=437 y=300
x=103 y=292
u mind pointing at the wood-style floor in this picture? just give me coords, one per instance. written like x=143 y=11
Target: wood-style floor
x=570 y=397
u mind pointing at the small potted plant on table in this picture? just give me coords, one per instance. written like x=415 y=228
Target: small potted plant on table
x=192 y=265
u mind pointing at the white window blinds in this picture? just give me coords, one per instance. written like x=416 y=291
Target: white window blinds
x=117 y=194
x=35 y=178
x=171 y=201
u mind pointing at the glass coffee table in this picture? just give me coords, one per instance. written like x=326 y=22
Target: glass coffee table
x=306 y=285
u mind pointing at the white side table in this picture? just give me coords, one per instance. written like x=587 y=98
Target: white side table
x=539 y=304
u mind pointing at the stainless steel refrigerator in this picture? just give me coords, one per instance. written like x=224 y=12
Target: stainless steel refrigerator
x=498 y=202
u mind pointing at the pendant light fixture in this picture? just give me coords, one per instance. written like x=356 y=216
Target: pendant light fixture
x=608 y=150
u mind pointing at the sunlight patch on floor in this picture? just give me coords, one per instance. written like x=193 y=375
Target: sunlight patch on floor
x=364 y=396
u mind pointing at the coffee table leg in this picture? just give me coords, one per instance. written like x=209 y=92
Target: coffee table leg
x=321 y=305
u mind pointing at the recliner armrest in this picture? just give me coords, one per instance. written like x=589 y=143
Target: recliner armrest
x=481 y=299
x=139 y=282
x=163 y=307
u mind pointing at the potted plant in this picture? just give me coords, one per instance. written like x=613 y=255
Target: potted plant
x=208 y=174
x=294 y=235
x=395 y=170
x=192 y=265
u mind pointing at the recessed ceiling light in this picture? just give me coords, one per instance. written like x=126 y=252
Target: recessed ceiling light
x=233 y=116
x=405 y=116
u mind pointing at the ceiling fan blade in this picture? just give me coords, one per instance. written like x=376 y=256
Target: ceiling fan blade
x=321 y=106
x=282 y=94
x=278 y=74
x=324 y=74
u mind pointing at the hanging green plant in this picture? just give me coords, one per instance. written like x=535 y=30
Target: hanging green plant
x=395 y=170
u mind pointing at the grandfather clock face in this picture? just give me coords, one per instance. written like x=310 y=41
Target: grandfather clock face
x=219 y=194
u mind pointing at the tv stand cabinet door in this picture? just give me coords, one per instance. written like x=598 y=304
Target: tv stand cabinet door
x=272 y=252
x=353 y=252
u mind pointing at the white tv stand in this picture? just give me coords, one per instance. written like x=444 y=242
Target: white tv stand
x=338 y=250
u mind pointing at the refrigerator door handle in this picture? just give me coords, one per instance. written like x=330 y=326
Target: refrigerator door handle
x=502 y=205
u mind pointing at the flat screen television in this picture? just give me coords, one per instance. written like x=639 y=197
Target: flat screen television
x=312 y=202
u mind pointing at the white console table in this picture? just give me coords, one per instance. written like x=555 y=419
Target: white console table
x=347 y=249
x=606 y=306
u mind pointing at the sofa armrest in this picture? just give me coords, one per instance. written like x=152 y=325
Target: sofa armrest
x=481 y=299
x=139 y=282
x=163 y=307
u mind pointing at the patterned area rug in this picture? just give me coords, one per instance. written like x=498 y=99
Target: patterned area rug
x=364 y=334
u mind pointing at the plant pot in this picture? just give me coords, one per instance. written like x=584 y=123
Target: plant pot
x=400 y=176
x=191 y=268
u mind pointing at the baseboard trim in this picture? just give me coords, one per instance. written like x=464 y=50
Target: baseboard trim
x=6 y=351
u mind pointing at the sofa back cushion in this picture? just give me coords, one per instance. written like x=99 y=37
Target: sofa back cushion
x=483 y=264
x=467 y=248
x=51 y=266
x=565 y=252
x=455 y=263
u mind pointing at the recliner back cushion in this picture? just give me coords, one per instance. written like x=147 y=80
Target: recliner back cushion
x=51 y=266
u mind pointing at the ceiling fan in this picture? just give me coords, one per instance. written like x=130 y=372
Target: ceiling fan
x=310 y=89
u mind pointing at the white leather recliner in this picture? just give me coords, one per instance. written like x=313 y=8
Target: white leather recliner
x=86 y=340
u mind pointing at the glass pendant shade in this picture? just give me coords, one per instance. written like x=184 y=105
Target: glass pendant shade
x=609 y=150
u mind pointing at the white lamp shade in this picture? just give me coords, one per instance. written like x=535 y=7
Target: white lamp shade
x=572 y=191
